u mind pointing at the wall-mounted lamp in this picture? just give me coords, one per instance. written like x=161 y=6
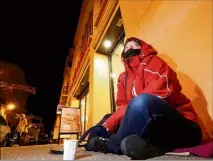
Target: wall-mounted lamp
x=107 y=44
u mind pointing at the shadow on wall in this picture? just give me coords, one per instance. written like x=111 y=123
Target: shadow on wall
x=193 y=91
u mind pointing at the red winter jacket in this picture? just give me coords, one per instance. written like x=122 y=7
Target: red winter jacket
x=152 y=76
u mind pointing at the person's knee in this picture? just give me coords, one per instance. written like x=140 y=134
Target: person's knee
x=141 y=102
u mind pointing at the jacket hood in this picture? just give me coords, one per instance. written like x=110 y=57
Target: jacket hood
x=146 y=51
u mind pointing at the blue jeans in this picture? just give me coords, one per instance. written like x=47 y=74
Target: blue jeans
x=155 y=120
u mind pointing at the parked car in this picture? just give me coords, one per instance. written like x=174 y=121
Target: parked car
x=44 y=137
x=33 y=133
x=38 y=134
x=4 y=132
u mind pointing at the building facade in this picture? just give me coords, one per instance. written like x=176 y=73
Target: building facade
x=181 y=32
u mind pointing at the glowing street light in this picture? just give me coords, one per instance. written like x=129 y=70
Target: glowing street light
x=11 y=106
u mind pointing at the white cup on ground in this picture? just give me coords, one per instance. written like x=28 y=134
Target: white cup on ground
x=70 y=147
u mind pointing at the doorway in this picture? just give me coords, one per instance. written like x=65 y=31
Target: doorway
x=112 y=46
x=84 y=106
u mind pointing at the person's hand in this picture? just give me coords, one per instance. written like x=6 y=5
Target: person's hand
x=104 y=125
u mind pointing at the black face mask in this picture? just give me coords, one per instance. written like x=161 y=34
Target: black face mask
x=131 y=52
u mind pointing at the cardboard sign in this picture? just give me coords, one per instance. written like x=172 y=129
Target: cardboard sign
x=70 y=120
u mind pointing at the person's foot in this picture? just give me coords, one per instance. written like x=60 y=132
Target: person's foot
x=114 y=145
x=138 y=149
x=97 y=144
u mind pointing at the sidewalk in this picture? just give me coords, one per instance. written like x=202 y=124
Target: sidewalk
x=41 y=152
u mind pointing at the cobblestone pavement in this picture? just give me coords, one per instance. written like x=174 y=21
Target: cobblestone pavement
x=42 y=152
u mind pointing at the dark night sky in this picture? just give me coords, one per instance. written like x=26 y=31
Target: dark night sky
x=36 y=35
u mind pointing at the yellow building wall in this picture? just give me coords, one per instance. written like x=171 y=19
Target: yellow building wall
x=99 y=93
x=181 y=31
x=56 y=127
x=83 y=18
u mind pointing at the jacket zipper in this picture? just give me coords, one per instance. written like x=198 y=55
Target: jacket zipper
x=134 y=94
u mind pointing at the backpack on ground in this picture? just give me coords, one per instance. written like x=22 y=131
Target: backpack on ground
x=96 y=131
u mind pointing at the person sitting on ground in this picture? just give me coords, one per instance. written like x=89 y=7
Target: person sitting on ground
x=153 y=116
